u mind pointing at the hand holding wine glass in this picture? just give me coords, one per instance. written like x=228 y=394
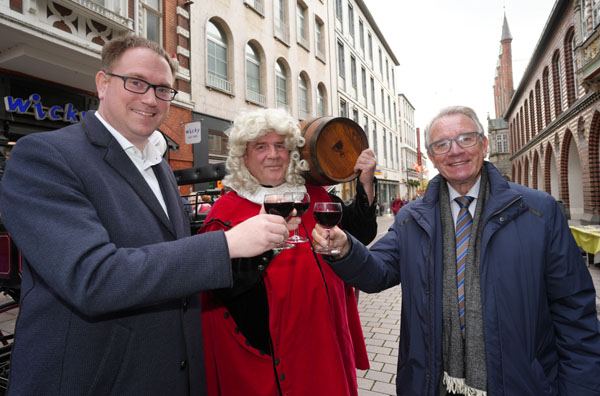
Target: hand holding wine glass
x=301 y=202
x=328 y=215
x=281 y=205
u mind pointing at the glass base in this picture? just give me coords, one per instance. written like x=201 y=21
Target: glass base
x=328 y=250
x=283 y=246
x=296 y=239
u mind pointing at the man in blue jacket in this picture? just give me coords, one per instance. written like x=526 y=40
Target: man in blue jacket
x=496 y=298
x=109 y=297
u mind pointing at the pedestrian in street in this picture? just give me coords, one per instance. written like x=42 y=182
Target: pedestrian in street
x=111 y=276
x=291 y=326
x=496 y=298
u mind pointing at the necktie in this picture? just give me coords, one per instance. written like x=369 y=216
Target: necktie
x=463 y=232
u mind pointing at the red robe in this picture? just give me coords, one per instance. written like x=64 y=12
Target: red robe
x=315 y=328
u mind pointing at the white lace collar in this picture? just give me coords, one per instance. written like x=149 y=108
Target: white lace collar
x=259 y=196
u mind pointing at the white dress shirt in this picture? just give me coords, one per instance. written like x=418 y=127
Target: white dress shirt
x=473 y=192
x=143 y=160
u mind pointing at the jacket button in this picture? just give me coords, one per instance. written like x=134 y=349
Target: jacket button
x=276 y=361
x=265 y=259
x=501 y=219
x=183 y=364
x=282 y=377
x=236 y=330
x=226 y=315
x=261 y=267
x=184 y=304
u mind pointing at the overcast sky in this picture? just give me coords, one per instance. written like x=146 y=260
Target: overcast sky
x=448 y=50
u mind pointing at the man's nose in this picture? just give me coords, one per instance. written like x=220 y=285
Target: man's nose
x=149 y=97
x=273 y=151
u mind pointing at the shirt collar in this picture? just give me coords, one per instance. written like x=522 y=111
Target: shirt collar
x=473 y=192
x=155 y=148
x=259 y=196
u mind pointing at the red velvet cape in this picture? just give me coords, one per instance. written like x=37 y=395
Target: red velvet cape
x=316 y=331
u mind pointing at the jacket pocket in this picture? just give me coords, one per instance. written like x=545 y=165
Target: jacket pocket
x=110 y=363
x=544 y=386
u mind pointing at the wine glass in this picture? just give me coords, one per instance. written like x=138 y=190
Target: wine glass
x=281 y=205
x=328 y=215
x=301 y=202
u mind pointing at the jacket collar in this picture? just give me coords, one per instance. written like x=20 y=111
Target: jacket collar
x=116 y=158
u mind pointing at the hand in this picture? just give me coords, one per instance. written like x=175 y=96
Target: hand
x=366 y=163
x=257 y=234
x=334 y=237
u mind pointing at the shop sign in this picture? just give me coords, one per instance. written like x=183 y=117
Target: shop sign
x=193 y=132
x=33 y=106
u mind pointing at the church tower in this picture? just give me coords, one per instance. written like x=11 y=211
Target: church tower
x=503 y=82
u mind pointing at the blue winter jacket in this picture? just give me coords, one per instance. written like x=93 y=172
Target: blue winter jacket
x=542 y=335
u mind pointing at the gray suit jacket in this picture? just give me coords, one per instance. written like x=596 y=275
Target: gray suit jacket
x=109 y=295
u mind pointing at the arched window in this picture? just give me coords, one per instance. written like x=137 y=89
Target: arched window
x=556 y=83
x=546 y=89
x=254 y=92
x=321 y=101
x=303 y=105
x=538 y=106
x=570 y=66
x=216 y=44
x=281 y=85
x=532 y=114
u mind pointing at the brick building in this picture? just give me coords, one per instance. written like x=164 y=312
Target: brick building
x=554 y=115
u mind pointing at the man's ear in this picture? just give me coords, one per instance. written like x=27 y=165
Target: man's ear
x=101 y=83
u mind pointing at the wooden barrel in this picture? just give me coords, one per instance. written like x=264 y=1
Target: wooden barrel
x=332 y=147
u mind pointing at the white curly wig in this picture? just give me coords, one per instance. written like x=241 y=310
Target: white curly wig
x=249 y=126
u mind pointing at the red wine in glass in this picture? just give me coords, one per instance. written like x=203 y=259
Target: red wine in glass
x=328 y=215
x=282 y=209
x=281 y=205
x=301 y=202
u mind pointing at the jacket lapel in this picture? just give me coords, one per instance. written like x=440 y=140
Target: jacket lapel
x=172 y=198
x=116 y=157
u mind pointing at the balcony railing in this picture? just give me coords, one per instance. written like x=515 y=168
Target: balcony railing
x=219 y=83
x=256 y=98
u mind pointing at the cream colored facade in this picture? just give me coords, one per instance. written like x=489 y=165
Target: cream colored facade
x=289 y=40
x=366 y=80
x=408 y=148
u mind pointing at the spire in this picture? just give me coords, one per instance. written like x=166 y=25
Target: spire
x=505 y=30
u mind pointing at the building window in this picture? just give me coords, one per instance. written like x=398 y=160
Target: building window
x=217 y=58
x=338 y=10
x=389 y=108
x=363 y=73
x=361 y=35
x=320 y=101
x=281 y=85
x=502 y=143
x=355 y=115
x=382 y=103
x=343 y=108
x=370 y=42
x=152 y=20
x=366 y=126
x=387 y=72
x=556 y=83
x=375 y=138
x=303 y=97
x=302 y=30
x=353 y=72
x=380 y=63
x=373 y=95
x=282 y=31
x=319 y=39
x=341 y=64
x=384 y=145
x=351 y=21
x=253 y=83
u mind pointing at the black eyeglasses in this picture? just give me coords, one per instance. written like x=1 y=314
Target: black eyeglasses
x=139 y=86
x=464 y=140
